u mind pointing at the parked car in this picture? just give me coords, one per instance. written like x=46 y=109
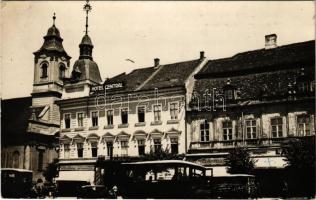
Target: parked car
x=16 y=183
x=93 y=192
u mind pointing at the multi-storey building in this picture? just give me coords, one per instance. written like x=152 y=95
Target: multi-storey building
x=130 y=115
x=255 y=99
x=31 y=124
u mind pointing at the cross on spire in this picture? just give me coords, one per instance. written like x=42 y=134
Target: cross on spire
x=87 y=7
x=54 y=17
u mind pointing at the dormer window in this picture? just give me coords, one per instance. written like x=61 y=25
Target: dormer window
x=230 y=91
x=229 y=94
x=44 y=70
x=303 y=87
x=303 y=82
x=62 y=70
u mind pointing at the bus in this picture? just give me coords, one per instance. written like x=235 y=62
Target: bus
x=162 y=179
x=16 y=183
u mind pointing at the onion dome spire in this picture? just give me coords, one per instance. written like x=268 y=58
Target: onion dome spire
x=85 y=68
x=53 y=40
x=54 y=17
x=86 y=45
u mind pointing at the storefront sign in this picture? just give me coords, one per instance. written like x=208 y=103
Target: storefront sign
x=76 y=168
x=210 y=161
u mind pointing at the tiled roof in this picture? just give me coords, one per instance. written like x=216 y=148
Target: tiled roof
x=261 y=60
x=260 y=72
x=15 y=114
x=133 y=79
x=172 y=74
x=251 y=86
x=163 y=76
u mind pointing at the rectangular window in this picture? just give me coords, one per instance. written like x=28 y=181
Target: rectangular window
x=67 y=120
x=157 y=113
x=303 y=125
x=95 y=118
x=229 y=94
x=124 y=115
x=124 y=148
x=251 y=129
x=174 y=110
x=40 y=160
x=205 y=131
x=109 y=115
x=174 y=145
x=303 y=87
x=227 y=130
x=80 y=150
x=141 y=147
x=276 y=127
x=80 y=119
x=141 y=114
x=157 y=145
x=109 y=146
x=66 y=150
x=94 y=149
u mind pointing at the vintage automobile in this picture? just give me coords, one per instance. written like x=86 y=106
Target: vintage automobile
x=93 y=192
x=162 y=179
x=16 y=183
x=228 y=186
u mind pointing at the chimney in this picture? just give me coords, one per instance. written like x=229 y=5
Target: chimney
x=156 y=62
x=202 y=55
x=271 y=41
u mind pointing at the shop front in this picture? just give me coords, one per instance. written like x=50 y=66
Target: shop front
x=73 y=175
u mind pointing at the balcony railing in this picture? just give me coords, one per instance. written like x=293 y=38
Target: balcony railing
x=202 y=145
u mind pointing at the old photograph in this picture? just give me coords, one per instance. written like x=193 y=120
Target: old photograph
x=158 y=99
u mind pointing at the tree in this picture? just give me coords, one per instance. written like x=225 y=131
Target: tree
x=51 y=170
x=239 y=161
x=300 y=153
x=300 y=157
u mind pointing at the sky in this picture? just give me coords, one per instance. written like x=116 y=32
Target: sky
x=173 y=31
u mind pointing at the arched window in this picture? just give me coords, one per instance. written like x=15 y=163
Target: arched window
x=62 y=70
x=44 y=70
x=16 y=159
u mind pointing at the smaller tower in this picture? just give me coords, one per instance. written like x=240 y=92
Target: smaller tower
x=85 y=70
x=51 y=63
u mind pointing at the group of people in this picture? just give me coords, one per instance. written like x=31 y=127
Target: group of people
x=40 y=190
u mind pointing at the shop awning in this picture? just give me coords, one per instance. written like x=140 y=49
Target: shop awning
x=87 y=176
x=270 y=162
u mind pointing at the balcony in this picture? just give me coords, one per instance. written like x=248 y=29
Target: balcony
x=257 y=142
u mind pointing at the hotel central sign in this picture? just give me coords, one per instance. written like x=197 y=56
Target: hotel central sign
x=107 y=87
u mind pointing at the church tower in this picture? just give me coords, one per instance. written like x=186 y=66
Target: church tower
x=85 y=71
x=51 y=67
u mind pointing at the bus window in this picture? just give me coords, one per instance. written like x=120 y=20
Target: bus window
x=150 y=176
x=166 y=174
